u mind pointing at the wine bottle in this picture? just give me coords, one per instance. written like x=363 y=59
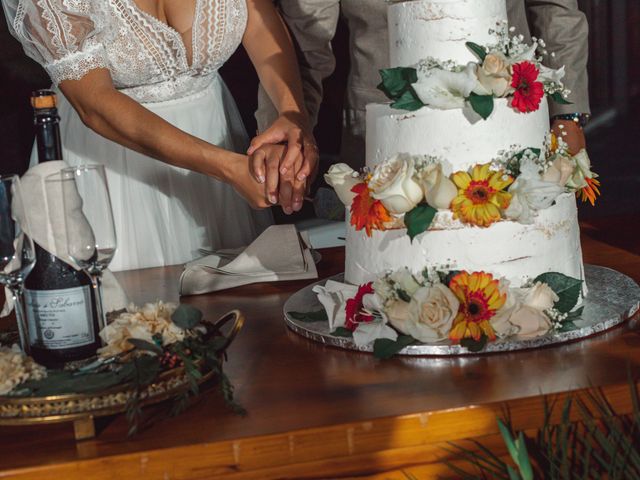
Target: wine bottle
x=59 y=300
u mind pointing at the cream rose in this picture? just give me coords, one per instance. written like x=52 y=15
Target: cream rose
x=343 y=178
x=494 y=77
x=560 y=171
x=438 y=189
x=429 y=315
x=540 y=296
x=393 y=184
x=530 y=322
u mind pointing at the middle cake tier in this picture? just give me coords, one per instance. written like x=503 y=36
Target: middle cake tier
x=505 y=249
x=459 y=136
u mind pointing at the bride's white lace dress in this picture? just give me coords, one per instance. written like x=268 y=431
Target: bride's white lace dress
x=163 y=214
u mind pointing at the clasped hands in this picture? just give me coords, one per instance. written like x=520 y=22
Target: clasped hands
x=282 y=162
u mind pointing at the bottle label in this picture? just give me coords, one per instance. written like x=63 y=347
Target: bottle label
x=60 y=319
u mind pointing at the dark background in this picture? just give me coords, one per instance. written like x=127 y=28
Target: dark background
x=613 y=136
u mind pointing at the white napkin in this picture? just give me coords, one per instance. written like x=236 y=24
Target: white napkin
x=279 y=253
x=45 y=224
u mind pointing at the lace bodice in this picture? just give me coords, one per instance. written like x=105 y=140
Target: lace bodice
x=147 y=58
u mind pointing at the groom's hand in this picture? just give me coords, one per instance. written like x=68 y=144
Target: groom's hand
x=302 y=152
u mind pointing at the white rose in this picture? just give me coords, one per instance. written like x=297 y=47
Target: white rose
x=443 y=89
x=501 y=320
x=582 y=171
x=560 y=171
x=494 y=77
x=530 y=193
x=530 y=322
x=430 y=314
x=438 y=189
x=405 y=281
x=343 y=178
x=393 y=184
x=540 y=297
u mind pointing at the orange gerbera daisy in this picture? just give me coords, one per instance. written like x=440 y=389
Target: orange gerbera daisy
x=481 y=195
x=366 y=212
x=480 y=298
x=591 y=191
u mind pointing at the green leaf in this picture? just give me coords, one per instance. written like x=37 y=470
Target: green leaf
x=147 y=369
x=309 y=317
x=186 y=316
x=474 y=345
x=402 y=295
x=409 y=100
x=395 y=81
x=508 y=440
x=524 y=465
x=446 y=277
x=384 y=348
x=419 y=219
x=513 y=475
x=342 y=332
x=558 y=98
x=567 y=288
x=481 y=104
x=145 y=346
x=477 y=50
x=567 y=327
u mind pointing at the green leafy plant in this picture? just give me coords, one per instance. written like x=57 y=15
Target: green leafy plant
x=602 y=444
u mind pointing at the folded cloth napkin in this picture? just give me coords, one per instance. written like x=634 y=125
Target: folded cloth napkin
x=42 y=217
x=279 y=253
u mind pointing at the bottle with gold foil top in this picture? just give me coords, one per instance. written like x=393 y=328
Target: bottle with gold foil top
x=59 y=300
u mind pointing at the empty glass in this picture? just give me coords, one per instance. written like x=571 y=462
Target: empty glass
x=17 y=253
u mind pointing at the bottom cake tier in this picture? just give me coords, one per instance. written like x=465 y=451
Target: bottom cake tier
x=506 y=249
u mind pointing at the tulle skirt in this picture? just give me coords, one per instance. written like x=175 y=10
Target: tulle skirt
x=164 y=214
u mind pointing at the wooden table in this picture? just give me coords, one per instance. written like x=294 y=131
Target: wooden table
x=320 y=412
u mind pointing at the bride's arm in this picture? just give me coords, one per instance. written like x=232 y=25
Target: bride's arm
x=269 y=46
x=123 y=120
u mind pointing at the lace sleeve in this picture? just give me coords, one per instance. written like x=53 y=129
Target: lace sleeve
x=62 y=35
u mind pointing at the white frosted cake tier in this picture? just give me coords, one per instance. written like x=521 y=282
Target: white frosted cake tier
x=506 y=249
x=459 y=136
x=439 y=28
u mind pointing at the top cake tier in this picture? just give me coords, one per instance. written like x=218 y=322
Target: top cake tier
x=439 y=28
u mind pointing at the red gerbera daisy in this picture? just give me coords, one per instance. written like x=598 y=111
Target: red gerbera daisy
x=354 y=308
x=529 y=91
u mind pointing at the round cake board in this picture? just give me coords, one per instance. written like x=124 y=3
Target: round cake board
x=613 y=298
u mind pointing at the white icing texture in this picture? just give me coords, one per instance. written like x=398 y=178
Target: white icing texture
x=506 y=249
x=439 y=28
x=459 y=136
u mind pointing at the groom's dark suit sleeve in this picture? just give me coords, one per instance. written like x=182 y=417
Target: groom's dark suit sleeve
x=565 y=31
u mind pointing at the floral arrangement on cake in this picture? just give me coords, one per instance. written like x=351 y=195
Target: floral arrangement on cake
x=408 y=191
x=508 y=68
x=440 y=306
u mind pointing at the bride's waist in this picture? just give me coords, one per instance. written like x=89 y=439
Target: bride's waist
x=178 y=90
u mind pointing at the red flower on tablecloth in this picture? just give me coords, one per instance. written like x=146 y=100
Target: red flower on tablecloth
x=528 y=91
x=354 y=309
x=366 y=212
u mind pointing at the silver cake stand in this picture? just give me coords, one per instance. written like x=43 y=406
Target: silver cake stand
x=613 y=298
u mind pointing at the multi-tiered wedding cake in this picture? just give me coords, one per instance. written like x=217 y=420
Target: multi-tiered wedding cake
x=464 y=186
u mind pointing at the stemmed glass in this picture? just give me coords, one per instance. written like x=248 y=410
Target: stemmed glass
x=17 y=252
x=90 y=232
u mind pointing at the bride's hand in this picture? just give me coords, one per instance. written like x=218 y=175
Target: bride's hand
x=302 y=151
x=238 y=174
x=284 y=189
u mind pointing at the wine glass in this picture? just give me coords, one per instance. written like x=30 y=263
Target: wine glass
x=17 y=252
x=90 y=232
